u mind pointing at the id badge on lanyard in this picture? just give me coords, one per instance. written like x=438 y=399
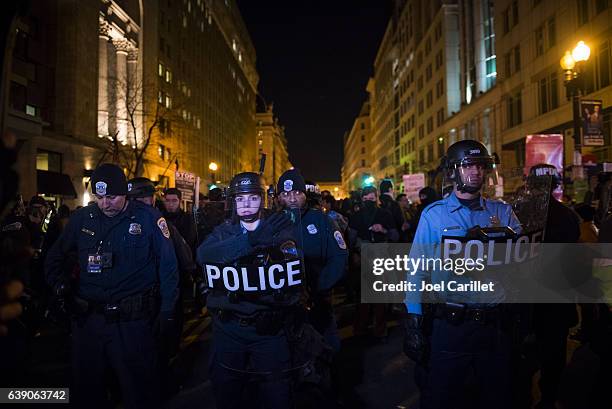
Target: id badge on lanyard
x=99 y=261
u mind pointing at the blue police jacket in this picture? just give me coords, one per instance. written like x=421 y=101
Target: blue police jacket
x=325 y=252
x=449 y=217
x=138 y=241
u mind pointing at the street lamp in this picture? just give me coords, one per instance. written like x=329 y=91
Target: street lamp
x=571 y=63
x=212 y=166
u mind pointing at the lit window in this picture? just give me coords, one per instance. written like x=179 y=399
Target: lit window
x=234 y=47
x=199 y=123
x=160 y=151
x=260 y=141
x=240 y=57
x=160 y=97
x=30 y=110
x=168 y=76
x=168 y=102
x=160 y=70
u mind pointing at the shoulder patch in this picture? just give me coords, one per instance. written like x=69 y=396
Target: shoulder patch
x=163 y=226
x=339 y=240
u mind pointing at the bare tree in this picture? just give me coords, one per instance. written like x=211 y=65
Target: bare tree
x=139 y=114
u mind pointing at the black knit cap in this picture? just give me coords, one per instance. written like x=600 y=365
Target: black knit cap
x=140 y=187
x=108 y=180
x=367 y=190
x=385 y=186
x=291 y=180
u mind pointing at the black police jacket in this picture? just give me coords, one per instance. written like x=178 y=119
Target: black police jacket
x=138 y=242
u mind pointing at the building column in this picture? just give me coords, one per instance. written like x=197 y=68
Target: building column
x=103 y=125
x=122 y=47
x=134 y=96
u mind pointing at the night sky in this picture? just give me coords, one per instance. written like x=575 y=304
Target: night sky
x=314 y=59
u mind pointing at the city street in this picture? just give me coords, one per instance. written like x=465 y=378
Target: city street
x=371 y=375
x=384 y=204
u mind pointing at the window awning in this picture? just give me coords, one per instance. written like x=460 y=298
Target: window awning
x=52 y=183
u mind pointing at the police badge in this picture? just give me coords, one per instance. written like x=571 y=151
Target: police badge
x=494 y=221
x=101 y=188
x=135 y=229
x=312 y=229
x=288 y=185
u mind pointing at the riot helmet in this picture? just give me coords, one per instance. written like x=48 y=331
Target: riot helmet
x=469 y=166
x=242 y=189
x=544 y=176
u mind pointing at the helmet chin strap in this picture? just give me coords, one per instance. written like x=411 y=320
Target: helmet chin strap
x=249 y=218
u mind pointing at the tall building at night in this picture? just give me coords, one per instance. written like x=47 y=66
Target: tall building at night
x=200 y=56
x=416 y=87
x=531 y=38
x=357 y=163
x=52 y=107
x=477 y=69
x=272 y=142
x=174 y=79
x=384 y=105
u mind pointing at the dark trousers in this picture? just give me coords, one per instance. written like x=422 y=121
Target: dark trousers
x=552 y=352
x=128 y=348
x=459 y=349
x=362 y=319
x=237 y=350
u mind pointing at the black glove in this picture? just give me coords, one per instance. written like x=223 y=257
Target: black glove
x=264 y=235
x=416 y=345
x=202 y=291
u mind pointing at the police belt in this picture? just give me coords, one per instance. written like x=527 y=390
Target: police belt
x=265 y=322
x=459 y=313
x=134 y=307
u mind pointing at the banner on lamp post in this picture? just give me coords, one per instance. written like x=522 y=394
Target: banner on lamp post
x=591 y=114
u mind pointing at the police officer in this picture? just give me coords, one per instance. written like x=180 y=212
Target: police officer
x=128 y=276
x=325 y=251
x=142 y=190
x=250 y=309
x=464 y=335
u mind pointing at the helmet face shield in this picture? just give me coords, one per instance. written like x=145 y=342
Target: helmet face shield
x=474 y=174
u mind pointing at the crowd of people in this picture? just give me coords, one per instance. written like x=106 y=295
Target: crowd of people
x=116 y=274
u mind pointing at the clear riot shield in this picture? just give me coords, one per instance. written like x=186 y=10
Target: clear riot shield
x=530 y=202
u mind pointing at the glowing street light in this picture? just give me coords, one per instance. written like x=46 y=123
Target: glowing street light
x=567 y=61
x=213 y=166
x=581 y=52
x=571 y=63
